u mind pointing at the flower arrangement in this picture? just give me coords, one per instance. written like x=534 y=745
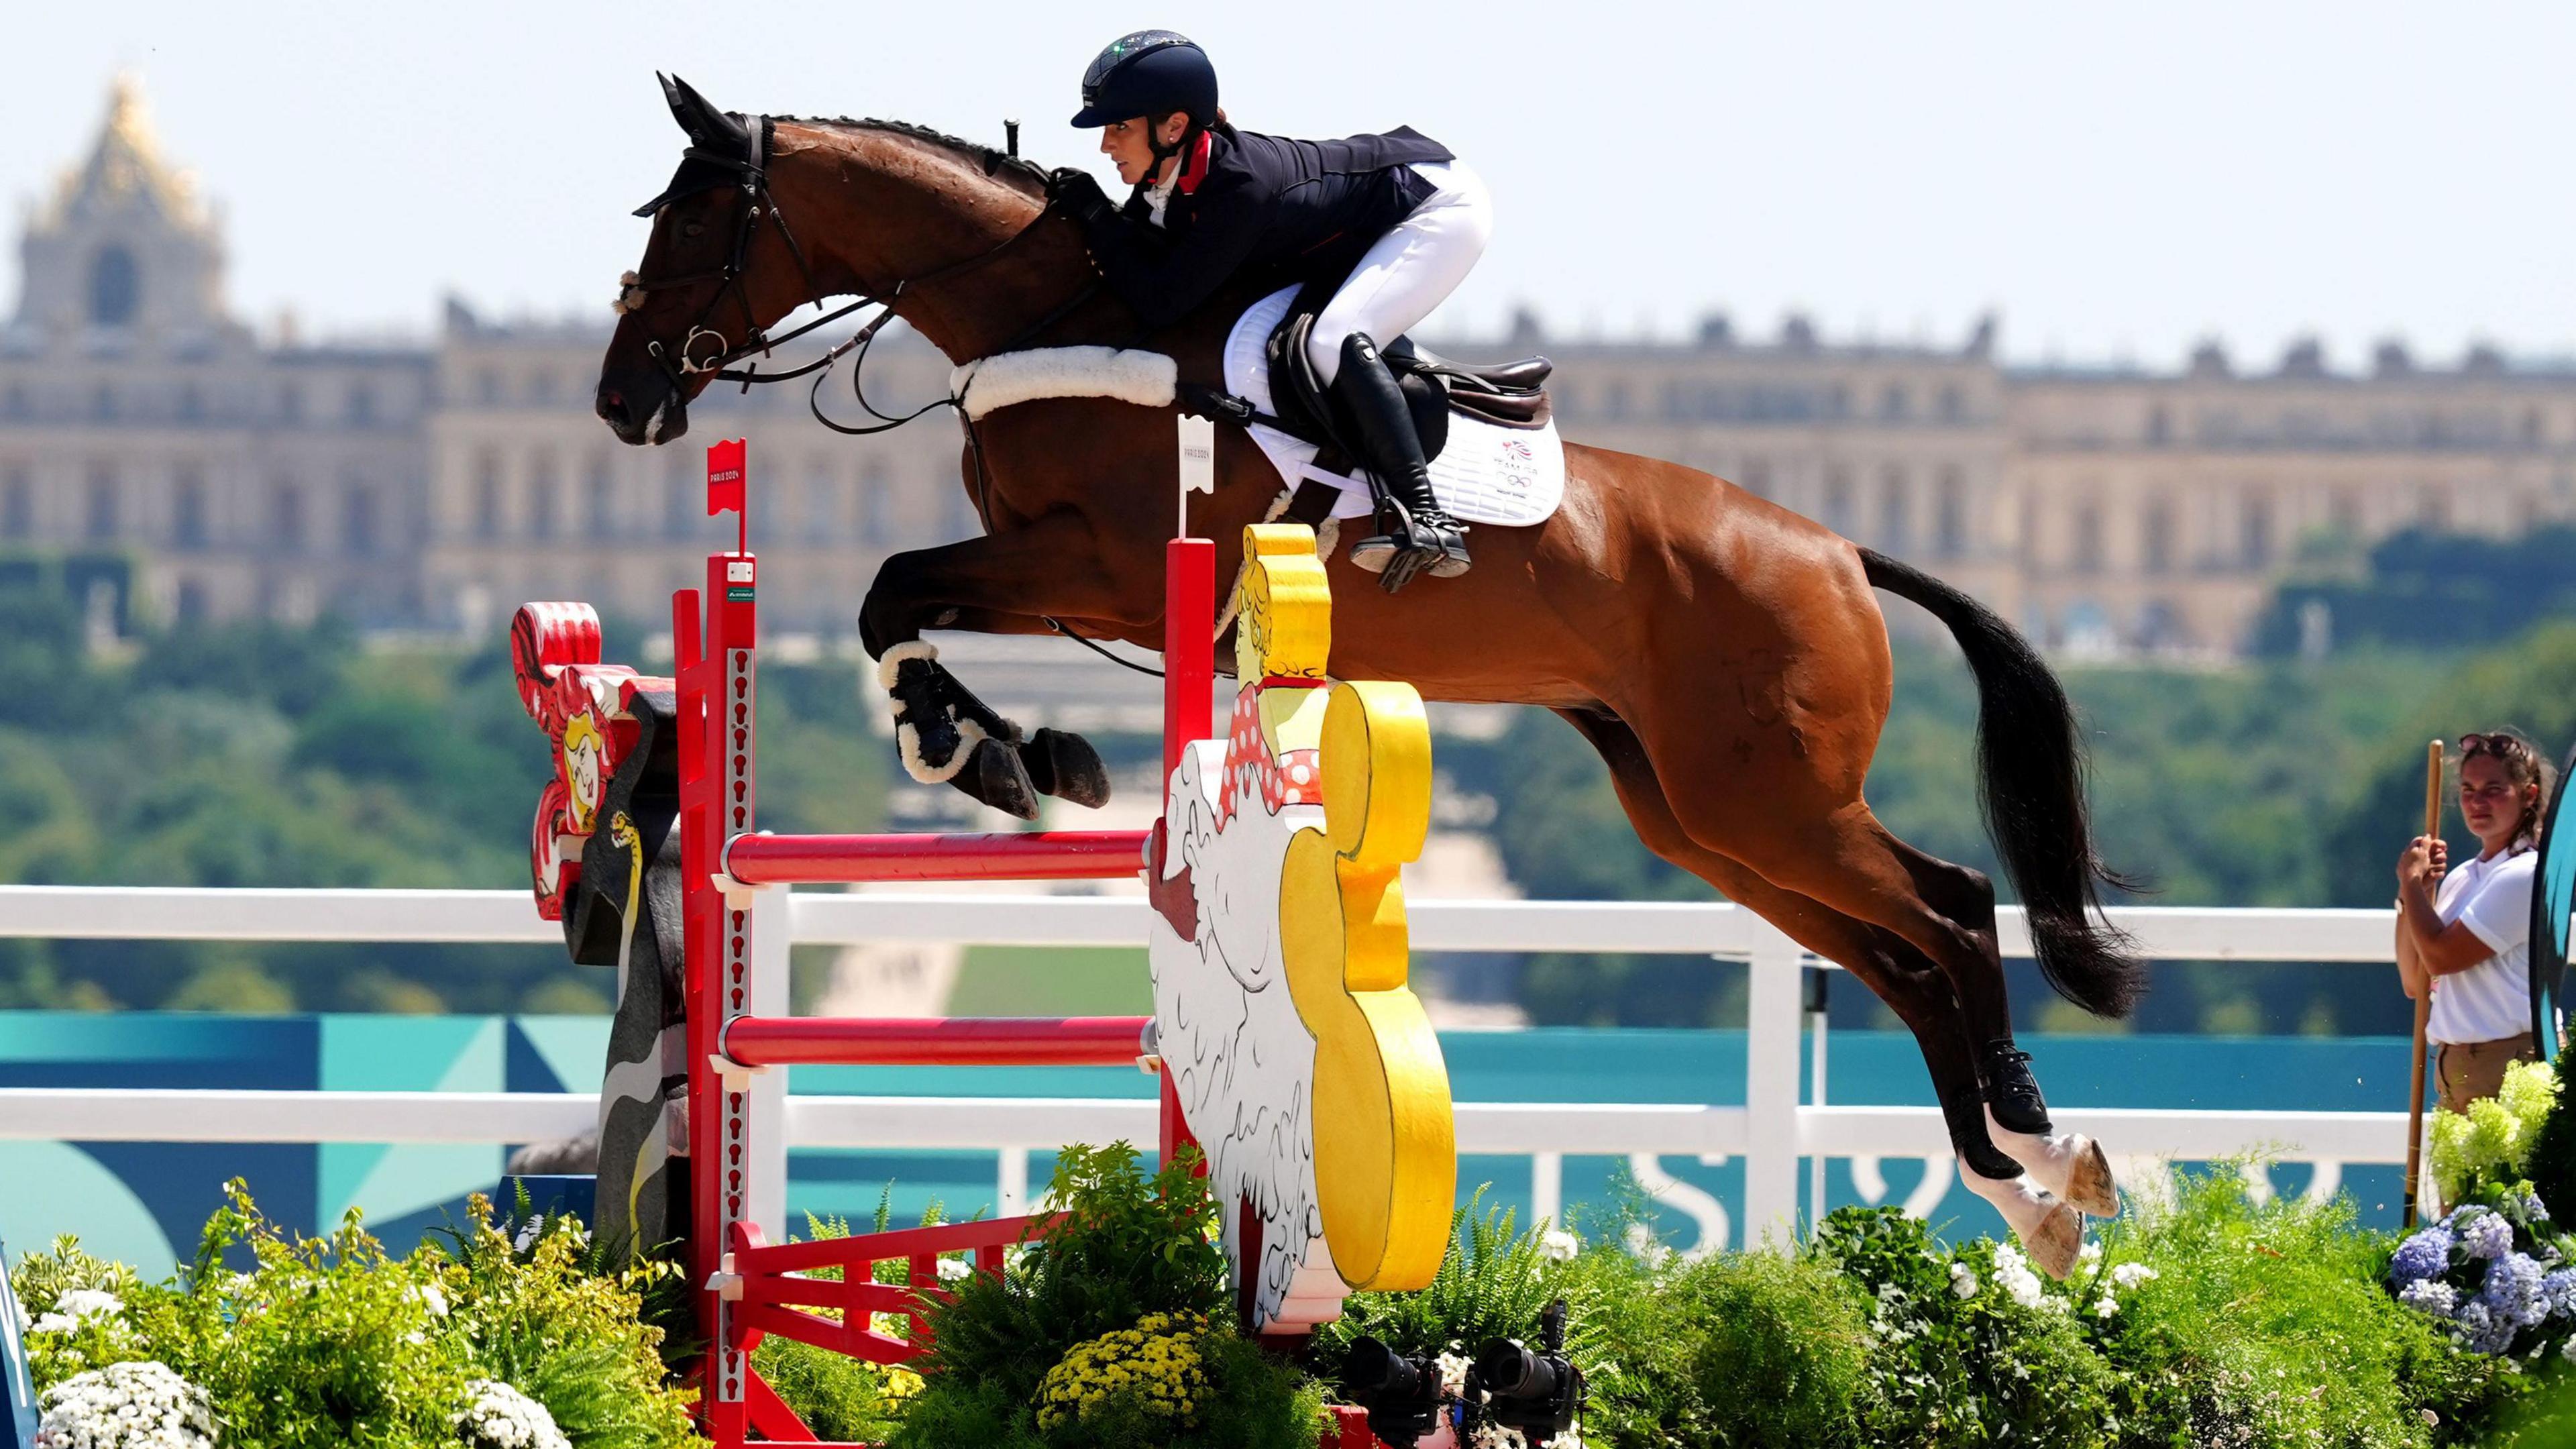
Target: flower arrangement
x=129 y=1405
x=1154 y=1368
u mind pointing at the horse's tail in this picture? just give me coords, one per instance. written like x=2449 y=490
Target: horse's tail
x=2030 y=769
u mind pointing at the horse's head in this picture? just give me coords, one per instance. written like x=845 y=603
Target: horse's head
x=714 y=276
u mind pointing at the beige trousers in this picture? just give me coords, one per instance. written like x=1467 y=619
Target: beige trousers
x=2469 y=1070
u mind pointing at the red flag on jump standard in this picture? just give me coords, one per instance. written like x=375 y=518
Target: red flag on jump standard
x=724 y=476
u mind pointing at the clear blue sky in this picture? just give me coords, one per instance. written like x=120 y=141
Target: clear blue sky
x=2117 y=181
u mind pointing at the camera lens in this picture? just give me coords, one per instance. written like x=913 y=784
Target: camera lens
x=1513 y=1372
x=1374 y=1369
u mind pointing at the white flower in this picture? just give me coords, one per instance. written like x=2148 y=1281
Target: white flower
x=1567 y=1440
x=1560 y=1245
x=2105 y=1306
x=2430 y=1295
x=2130 y=1275
x=429 y=1298
x=1453 y=1372
x=953 y=1269
x=2567 y=1350
x=2089 y=1254
x=501 y=1417
x=1963 y=1280
x=88 y=1302
x=2012 y=1270
x=1497 y=1436
x=126 y=1406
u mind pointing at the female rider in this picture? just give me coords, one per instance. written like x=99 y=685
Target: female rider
x=1395 y=216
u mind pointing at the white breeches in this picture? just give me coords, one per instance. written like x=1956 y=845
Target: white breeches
x=1411 y=269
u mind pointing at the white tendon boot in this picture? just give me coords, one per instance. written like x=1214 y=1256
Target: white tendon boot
x=2051 y=1232
x=2070 y=1165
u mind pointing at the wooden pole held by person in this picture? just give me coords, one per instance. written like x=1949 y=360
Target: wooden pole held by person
x=2423 y=1003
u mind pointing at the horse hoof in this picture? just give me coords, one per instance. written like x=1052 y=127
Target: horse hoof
x=1067 y=767
x=2089 y=1188
x=995 y=776
x=2056 y=1242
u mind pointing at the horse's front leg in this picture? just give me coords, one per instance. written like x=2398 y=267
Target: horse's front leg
x=1009 y=582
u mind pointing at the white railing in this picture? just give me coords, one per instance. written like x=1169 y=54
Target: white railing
x=1771 y=1132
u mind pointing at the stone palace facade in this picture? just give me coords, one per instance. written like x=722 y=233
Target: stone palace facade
x=432 y=485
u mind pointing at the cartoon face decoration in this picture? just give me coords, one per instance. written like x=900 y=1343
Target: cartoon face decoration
x=583 y=761
x=1324 y=1104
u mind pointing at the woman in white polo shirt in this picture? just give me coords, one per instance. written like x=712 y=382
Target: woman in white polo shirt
x=2464 y=934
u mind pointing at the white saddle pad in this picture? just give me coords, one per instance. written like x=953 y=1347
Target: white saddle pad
x=1486 y=474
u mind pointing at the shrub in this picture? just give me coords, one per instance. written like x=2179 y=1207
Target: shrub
x=2265 y=1324
x=329 y=1341
x=1969 y=1348
x=1775 y=1352
x=1129 y=1249
x=2490 y=1148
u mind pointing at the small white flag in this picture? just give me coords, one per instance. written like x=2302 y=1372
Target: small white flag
x=1198 y=455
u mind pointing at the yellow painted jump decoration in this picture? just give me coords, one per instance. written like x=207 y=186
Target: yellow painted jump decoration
x=1303 y=1061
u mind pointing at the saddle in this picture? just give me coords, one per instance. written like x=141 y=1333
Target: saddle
x=1511 y=394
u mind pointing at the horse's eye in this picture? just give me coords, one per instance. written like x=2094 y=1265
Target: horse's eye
x=692 y=230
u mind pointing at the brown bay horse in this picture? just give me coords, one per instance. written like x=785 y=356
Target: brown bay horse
x=1726 y=657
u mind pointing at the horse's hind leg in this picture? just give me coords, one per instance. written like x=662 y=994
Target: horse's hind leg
x=1923 y=998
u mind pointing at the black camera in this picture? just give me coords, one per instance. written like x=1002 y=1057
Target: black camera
x=1536 y=1391
x=1402 y=1395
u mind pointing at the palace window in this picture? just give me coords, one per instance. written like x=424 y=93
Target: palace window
x=361 y=405
x=1954 y=404
x=100 y=510
x=2254 y=531
x=1895 y=511
x=1891 y=402
x=115 y=287
x=487 y=497
x=188 y=509
x=17 y=504
x=542 y=500
x=286 y=516
x=360 y=527
x=1838 y=501
x=2159 y=536
x=876 y=509
x=1950 y=514
x=599 y=503
x=2088 y=537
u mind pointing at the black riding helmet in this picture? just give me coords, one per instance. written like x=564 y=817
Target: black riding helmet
x=1149 y=73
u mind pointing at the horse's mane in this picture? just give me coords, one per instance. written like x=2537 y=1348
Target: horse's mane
x=984 y=158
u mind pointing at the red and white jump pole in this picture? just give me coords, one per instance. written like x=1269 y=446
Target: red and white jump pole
x=746 y=1287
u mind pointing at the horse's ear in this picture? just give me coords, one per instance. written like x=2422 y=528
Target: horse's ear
x=706 y=125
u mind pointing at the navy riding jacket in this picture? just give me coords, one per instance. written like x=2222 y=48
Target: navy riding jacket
x=1277 y=210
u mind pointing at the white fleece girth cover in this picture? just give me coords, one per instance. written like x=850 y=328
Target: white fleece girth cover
x=1125 y=375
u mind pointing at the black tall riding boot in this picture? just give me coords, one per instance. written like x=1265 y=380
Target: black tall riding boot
x=1414 y=533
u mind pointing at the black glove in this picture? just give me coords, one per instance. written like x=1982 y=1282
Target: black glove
x=1077 y=194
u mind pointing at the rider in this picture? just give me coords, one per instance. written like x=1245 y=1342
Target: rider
x=1395 y=218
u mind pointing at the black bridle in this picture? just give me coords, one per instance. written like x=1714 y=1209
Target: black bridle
x=756 y=203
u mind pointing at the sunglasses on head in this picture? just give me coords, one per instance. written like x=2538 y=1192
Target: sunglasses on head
x=2498 y=744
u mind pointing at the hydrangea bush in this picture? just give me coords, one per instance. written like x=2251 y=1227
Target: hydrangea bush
x=2496 y=1275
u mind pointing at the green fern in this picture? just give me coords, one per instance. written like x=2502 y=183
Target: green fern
x=1493 y=1283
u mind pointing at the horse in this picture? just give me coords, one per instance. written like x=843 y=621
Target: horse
x=1725 y=656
